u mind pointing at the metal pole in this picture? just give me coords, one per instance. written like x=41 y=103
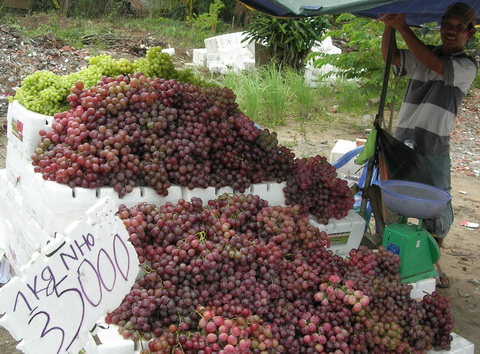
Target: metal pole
x=377 y=123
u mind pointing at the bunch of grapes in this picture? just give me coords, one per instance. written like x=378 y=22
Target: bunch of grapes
x=238 y=275
x=155 y=64
x=315 y=186
x=135 y=130
x=46 y=93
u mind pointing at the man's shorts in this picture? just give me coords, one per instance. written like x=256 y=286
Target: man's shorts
x=440 y=170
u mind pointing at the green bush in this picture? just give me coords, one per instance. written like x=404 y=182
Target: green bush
x=287 y=40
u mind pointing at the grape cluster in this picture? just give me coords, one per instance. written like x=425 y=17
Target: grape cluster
x=238 y=275
x=46 y=93
x=315 y=186
x=138 y=131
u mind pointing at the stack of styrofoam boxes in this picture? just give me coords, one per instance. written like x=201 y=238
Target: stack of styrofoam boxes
x=23 y=235
x=312 y=74
x=225 y=52
x=38 y=209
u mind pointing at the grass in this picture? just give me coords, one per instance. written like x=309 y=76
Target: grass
x=272 y=96
x=73 y=30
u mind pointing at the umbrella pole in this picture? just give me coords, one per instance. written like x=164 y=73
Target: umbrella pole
x=371 y=192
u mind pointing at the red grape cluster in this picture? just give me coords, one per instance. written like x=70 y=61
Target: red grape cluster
x=240 y=276
x=315 y=186
x=133 y=130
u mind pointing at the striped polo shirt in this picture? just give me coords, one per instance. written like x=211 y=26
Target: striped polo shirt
x=432 y=100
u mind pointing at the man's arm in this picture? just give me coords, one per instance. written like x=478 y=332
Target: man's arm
x=419 y=50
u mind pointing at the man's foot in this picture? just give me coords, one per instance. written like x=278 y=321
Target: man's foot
x=442 y=280
x=439 y=242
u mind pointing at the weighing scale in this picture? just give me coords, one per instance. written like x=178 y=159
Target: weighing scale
x=417 y=248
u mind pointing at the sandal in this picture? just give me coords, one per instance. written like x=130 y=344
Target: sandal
x=443 y=281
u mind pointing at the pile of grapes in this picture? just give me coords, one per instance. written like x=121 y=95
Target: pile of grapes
x=314 y=185
x=135 y=130
x=138 y=131
x=240 y=276
x=46 y=93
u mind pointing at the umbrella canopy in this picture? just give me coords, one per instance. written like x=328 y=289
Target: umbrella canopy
x=417 y=12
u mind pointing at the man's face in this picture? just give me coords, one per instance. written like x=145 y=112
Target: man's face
x=454 y=34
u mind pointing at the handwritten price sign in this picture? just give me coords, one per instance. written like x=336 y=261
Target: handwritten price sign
x=67 y=289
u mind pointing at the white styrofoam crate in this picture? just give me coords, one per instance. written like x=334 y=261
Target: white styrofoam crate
x=24 y=126
x=17 y=165
x=23 y=235
x=341 y=147
x=200 y=56
x=422 y=287
x=169 y=51
x=217 y=67
x=107 y=340
x=459 y=345
x=212 y=57
x=211 y=45
x=272 y=192
x=345 y=234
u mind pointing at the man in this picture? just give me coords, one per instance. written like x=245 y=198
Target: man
x=440 y=77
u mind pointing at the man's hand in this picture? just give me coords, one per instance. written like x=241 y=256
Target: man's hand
x=396 y=21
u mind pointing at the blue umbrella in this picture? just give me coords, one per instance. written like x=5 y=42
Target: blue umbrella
x=417 y=12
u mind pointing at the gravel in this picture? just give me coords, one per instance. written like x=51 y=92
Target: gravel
x=21 y=56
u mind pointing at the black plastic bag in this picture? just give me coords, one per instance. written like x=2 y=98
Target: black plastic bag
x=402 y=162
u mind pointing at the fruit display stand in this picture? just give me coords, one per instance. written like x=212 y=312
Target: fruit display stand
x=33 y=211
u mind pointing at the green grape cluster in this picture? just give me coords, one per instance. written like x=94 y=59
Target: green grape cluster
x=111 y=67
x=156 y=64
x=46 y=93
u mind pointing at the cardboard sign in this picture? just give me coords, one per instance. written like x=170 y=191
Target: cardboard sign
x=65 y=290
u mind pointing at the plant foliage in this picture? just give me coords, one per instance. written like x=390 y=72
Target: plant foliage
x=361 y=59
x=287 y=40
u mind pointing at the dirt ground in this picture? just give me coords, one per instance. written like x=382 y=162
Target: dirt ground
x=461 y=252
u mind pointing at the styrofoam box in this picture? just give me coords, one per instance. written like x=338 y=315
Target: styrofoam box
x=55 y=206
x=345 y=234
x=200 y=56
x=459 y=345
x=24 y=236
x=211 y=45
x=422 y=287
x=341 y=147
x=23 y=127
x=108 y=340
x=272 y=192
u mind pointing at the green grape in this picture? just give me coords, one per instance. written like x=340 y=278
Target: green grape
x=45 y=92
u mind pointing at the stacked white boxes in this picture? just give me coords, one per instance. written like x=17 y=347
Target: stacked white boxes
x=226 y=52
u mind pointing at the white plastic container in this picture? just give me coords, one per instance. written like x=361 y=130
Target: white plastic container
x=107 y=340
x=345 y=234
x=24 y=236
x=459 y=345
x=200 y=57
x=341 y=148
x=422 y=288
x=23 y=129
